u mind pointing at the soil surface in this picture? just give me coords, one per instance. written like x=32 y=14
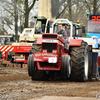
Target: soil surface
x=15 y=84
x=63 y=98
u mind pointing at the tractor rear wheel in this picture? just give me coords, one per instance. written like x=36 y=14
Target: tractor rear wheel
x=34 y=72
x=79 y=62
x=66 y=66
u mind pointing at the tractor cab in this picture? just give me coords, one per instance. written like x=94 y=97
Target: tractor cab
x=66 y=27
x=42 y=25
x=72 y=30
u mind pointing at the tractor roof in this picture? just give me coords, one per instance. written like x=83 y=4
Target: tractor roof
x=67 y=23
x=41 y=17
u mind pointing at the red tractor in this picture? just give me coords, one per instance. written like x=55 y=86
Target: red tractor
x=55 y=59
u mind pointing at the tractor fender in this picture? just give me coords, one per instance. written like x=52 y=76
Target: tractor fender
x=75 y=42
x=39 y=41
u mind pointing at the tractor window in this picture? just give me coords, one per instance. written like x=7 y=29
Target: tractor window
x=40 y=26
x=64 y=27
x=48 y=26
x=73 y=31
x=56 y=28
x=77 y=31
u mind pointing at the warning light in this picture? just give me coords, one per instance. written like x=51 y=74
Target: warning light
x=25 y=39
x=77 y=21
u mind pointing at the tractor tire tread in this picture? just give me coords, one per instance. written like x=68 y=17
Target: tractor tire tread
x=78 y=61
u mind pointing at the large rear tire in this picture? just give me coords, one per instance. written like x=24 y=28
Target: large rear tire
x=80 y=62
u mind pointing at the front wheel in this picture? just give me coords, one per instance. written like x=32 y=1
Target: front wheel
x=34 y=72
x=66 y=66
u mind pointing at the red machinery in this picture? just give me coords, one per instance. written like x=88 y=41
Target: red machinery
x=21 y=53
x=16 y=53
x=54 y=59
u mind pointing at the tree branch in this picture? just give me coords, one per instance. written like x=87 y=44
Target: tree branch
x=62 y=11
x=88 y=6
x=10 y=12
x=29 y=9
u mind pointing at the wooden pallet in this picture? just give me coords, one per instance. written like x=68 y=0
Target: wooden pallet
x=9 y=64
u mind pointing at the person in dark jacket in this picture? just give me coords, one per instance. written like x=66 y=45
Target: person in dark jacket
x=63 y=33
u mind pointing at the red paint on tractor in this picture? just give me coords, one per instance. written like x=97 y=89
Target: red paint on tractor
x=43 y=57
x=47 y=59
x=75 y=42
x=39 y=41
x=49 y=66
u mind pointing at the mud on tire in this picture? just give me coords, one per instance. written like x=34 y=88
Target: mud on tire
x=79 y=62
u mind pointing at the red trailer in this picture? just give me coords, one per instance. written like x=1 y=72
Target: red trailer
x=21 y=53
x=16 y=53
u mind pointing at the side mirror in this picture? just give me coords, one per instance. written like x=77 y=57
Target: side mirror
x=83 y=29
x=43 y=27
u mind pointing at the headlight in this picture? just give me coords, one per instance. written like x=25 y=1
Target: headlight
x=44 y=50
x=54 y=51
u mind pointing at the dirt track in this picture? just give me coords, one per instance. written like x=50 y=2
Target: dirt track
x=16 y=83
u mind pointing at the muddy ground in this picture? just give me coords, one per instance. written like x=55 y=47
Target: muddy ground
x=17 y=85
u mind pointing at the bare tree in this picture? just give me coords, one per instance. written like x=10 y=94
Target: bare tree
x=18 y=11
x=27 y=11
x=70 y=9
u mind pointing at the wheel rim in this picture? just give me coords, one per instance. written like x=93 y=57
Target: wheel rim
x=86 y=65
